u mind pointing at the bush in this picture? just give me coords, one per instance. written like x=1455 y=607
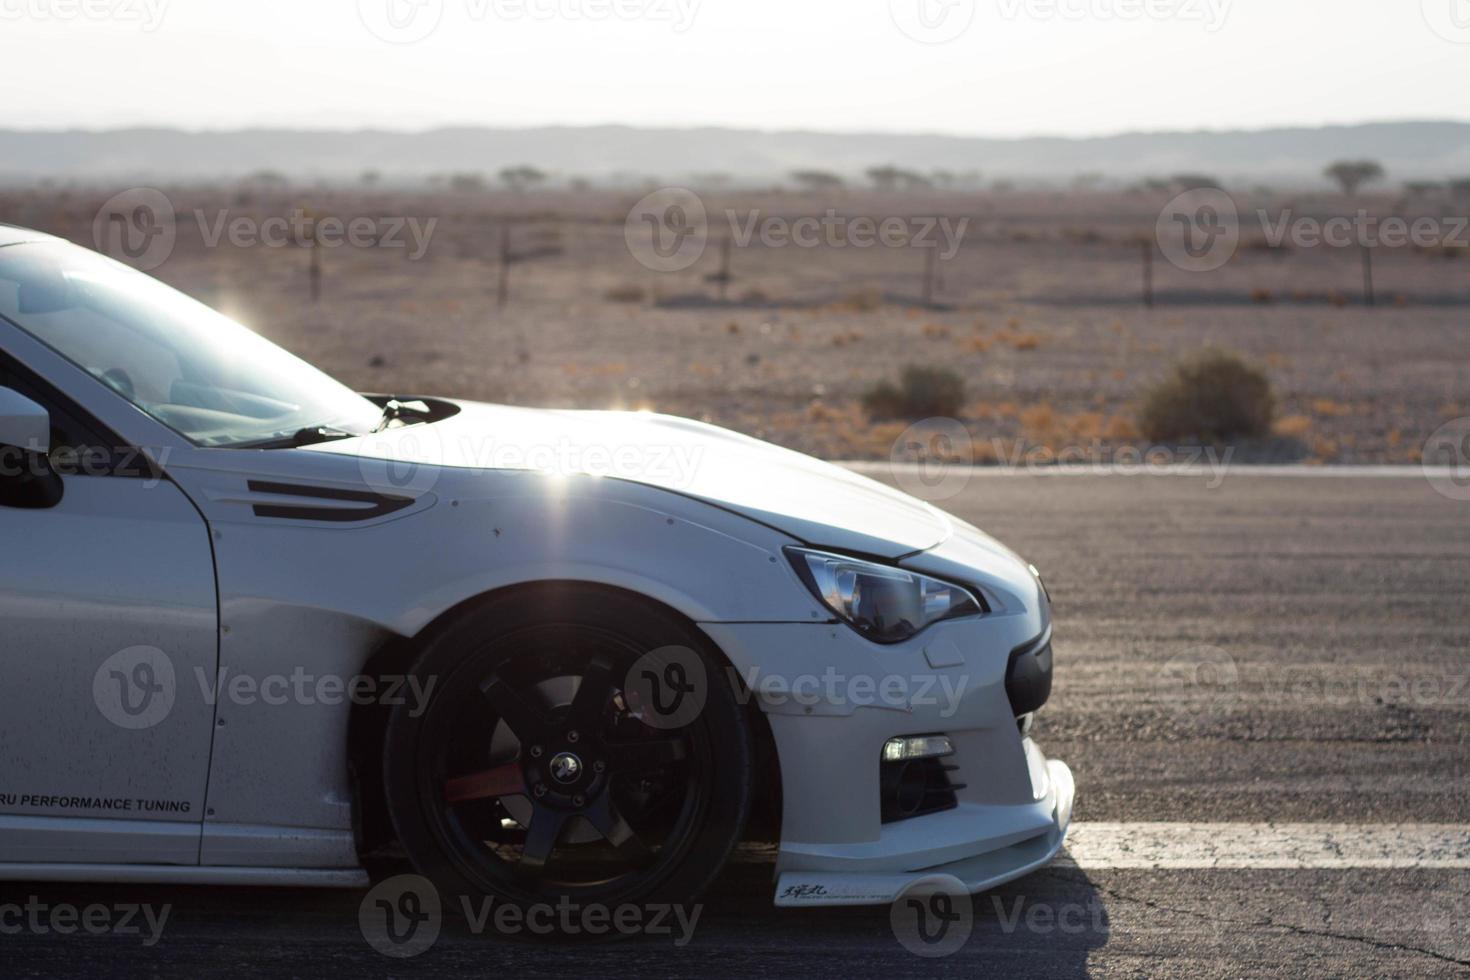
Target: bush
x=626 y=293
x=920 y=393
x=1215 y=396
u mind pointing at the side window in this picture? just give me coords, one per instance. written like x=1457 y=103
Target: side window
x=79 y=446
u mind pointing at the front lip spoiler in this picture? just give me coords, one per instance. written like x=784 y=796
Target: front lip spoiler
x=972 y=874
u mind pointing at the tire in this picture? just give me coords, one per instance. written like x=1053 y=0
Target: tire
x=546 y=722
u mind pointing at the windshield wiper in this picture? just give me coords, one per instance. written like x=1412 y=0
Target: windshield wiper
x=394 y=410
x=308 y=436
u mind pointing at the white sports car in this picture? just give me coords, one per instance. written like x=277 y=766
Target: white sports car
x=259 y=628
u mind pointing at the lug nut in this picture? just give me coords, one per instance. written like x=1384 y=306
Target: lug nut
x=599 y=766
x=572 y=736
x=535 y=751
x=579 y=801
x=539 y=790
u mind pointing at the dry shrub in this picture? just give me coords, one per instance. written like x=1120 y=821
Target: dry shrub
x=626 y=293
x=1293 y=426
x=863 y=300
x=1215 y=396
x=920 y=393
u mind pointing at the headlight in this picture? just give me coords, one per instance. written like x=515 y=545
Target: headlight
x=883 y=603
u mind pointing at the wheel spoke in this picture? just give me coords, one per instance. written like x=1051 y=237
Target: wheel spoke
x=541 y=837
x=593 y=694
x=505 y=780
x=645 y=754
x=525 y=719
x=604 y=815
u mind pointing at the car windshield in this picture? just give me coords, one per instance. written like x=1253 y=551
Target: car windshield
x=198 y=372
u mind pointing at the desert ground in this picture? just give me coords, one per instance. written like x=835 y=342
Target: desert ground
x=1040 y=308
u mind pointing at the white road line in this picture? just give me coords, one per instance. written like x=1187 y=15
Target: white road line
x=871 y=467
x=1103 y=846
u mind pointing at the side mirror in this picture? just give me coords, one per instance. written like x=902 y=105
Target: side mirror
x=26 y=477
x=24 y=425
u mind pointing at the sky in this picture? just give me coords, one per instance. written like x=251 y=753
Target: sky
x=969 y=67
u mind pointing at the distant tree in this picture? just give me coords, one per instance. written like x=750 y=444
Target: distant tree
x=1460 y=188
x=1353 y=174
x=1423 y=188
x=370 y=178
x=1193 y=182
x=817 y=180
x=889 y=177
x=522 y=177
x=712 y=180
x=943 y=178
x=267 y=178
x=467 y=183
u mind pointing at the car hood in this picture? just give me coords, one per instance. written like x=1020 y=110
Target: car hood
x=816 y=502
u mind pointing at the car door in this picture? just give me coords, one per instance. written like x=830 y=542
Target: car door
x=109 y=620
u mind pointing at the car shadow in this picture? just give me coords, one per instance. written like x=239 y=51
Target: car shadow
x=1046 y=925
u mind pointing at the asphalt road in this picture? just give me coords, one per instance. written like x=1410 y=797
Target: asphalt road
x=1277 y=648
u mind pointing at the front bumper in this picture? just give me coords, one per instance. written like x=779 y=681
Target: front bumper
x=976 y=874
x=1011 y=808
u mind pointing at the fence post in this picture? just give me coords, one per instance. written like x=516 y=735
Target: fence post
x=1369 y=298
x=1148 y=272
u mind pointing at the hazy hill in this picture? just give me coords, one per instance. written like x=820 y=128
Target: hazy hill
x=1408 y=150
